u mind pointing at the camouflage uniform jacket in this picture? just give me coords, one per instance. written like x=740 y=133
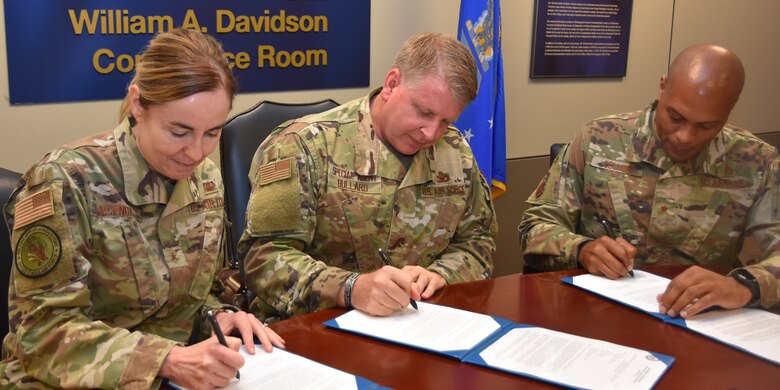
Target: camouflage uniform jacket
x=110 y=270
x=327 y=194
x=719 y=209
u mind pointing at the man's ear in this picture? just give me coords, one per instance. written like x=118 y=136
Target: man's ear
x=392 y=81
x=662 y=86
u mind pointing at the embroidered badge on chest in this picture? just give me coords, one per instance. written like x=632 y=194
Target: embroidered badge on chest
x=37 y=251
x=442 y=177
x=209 y=186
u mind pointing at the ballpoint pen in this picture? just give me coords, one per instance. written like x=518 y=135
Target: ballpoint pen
x=386 y=261
x=608 y=229
x=218 y=331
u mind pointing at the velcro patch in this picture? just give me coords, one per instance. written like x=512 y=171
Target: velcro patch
x=717 y=182
x=37 y=251
x=209 y=186
x=436 y=191
x=33 y=208
x=616 y=166
x=207 y=204
x=275 y=171
x=114 y=210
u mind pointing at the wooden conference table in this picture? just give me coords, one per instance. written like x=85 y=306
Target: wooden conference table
x=536 y=299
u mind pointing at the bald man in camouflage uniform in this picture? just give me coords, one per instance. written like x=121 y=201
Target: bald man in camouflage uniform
x=329 y=190
x=111 y=267
x=678 y=184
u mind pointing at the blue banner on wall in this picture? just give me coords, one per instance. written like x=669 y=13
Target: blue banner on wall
x=86 y=50
x=581 y=38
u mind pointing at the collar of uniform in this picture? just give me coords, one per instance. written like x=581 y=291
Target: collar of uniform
x=372 y=157
x=648 y=146
x=143 y=185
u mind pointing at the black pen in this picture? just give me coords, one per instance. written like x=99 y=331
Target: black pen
x=386 y=261
x=608 y=229
x=218 y=331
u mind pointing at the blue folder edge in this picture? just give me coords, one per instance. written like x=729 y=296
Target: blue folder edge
x=360 y=382
x=458 y=354
x=474 y=358
x=679 y=321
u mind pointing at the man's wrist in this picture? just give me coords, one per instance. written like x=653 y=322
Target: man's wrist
x=745 y=278
x=578 y=252
x=348 y=287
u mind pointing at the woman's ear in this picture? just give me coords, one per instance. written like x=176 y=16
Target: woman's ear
x=136 y=108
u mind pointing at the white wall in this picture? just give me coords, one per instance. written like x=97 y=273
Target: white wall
x=751 y=29
x=538 y=112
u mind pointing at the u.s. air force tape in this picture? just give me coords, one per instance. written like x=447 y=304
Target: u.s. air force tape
x=37 y=251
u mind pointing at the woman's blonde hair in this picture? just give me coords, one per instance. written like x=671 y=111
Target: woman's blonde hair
x=177 y=64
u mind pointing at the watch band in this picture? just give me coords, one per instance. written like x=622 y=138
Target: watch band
x=348 y=285
x=745 y=278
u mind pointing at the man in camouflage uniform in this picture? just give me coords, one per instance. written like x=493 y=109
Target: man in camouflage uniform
x=111 y=267
x=386 y=171
x=678 y=183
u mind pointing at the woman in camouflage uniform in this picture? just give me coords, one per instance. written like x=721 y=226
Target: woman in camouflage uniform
x=117 y=239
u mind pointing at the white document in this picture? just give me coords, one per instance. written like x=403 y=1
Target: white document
x=753 y=330
x=432 y=327
x=640 y=291
x=573 y=360
x=284 y=370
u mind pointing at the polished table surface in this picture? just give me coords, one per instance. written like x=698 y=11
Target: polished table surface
x=535 y=299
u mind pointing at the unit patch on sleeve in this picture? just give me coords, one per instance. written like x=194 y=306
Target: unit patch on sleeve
x=37 y=251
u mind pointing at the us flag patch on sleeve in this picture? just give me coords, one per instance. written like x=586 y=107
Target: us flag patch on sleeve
x=33 y=208
x=275 y=171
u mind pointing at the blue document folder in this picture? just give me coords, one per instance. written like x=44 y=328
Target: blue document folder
x=495 y=336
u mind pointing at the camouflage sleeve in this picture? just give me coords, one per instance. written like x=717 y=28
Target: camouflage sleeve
x=548 y=238
x=763 y=233
x=54 y=340
x=469 y=253
x=281 y=221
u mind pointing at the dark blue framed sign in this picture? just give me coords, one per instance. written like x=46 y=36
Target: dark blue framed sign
x=581 y=38
x=86 y=49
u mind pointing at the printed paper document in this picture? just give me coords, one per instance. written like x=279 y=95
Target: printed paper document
x=753 y=330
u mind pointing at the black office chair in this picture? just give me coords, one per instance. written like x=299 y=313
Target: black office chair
x=241 y=136
x=8 y=181
x=555 y=150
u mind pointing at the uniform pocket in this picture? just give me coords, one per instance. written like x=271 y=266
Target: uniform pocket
x=124 y=275
x=423 y=227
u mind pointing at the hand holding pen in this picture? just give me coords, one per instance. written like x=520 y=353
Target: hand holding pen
x=607 y=255
x=611 y=234
x=386 y=261
x=218 y=332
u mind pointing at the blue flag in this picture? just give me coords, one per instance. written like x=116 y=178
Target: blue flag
x=483 y=121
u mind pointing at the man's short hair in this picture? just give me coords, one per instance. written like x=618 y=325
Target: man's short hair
x=436 y=53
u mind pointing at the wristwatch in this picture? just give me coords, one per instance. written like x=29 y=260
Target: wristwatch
x=747 y=279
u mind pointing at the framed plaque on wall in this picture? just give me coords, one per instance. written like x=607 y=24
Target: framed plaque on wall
x=581 y=38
